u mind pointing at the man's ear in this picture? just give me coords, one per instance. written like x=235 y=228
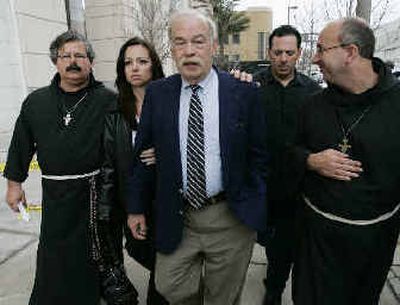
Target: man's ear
x=269 y=53
x=352 y=52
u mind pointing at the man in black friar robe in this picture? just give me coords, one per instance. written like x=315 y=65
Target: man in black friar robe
x=62 y=123
x=348 y=149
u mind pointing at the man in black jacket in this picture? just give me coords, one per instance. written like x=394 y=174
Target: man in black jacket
x=284 y=90
x=347 y=152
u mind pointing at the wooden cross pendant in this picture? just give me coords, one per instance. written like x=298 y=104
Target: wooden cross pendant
x=344 y=146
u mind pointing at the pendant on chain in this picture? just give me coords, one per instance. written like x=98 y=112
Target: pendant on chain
x=344 y=146
x=67 y=119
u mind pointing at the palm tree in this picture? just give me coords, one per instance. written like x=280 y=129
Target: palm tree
x=228 y=22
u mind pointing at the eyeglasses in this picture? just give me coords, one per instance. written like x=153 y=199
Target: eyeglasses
x=320 y=49
x=68 y=56
x=140 y=61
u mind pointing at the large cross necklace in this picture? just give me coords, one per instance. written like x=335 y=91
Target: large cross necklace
x=344 y=146
x=67 y=118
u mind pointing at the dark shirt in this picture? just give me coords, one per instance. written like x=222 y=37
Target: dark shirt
x=282 y=105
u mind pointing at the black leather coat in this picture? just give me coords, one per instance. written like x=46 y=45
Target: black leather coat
x=118 y=157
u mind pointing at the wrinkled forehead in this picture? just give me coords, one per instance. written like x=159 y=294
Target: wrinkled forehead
x=73 y=46
x=189 y=26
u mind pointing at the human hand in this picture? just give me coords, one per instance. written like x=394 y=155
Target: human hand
x=243 y=76
x=137 y=224
x=148 y=156
x=14 y=195
x=334 y=164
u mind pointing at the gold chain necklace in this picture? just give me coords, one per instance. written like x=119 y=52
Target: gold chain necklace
x=344 y=146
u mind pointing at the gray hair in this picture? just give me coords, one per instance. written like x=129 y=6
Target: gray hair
x=194 y=14
x=357 y=31
x=69 y=36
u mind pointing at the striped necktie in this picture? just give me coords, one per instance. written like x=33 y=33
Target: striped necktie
x=196 y=177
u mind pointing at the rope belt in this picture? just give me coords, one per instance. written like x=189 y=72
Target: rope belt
x=359 y=222
x=71 y=177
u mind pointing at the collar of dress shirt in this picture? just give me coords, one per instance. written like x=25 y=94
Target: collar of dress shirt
x=204 y=84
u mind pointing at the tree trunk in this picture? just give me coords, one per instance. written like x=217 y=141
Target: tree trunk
x=363 y=9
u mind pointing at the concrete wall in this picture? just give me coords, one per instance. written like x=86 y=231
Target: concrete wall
x=26 y=29
x=12 y=84
x=108 y=25
x=39 y=22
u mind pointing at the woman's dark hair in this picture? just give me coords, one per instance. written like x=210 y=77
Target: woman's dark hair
x=126 y=99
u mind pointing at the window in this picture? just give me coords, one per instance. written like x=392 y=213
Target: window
x=261 y=45
x=236 y=38
x=225 y=39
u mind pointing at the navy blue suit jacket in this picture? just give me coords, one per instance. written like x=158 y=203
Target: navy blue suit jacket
x=243 y=156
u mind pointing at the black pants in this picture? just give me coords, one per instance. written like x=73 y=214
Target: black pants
x=280 y=243
x=279 y=250
x=342 y=264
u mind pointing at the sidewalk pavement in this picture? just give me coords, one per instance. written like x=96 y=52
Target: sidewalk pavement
x=19 y=239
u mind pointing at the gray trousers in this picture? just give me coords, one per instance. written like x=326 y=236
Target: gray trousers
x=210 y=265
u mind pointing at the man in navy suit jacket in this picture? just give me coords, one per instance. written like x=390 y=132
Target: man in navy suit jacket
x=204 y=241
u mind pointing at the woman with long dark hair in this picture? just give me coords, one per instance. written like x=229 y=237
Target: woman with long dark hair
x=137 y=65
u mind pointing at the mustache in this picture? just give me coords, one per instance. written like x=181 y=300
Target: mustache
x=185 y=61
x=73 y=67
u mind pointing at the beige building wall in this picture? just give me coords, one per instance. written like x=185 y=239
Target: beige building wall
x=248 y=48
x=109 y=23
x=26 y=30
x=38 y=22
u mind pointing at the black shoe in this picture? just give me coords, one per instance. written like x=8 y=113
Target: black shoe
x=272 y=300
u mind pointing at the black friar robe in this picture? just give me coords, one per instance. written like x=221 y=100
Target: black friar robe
x=64 y=273
x=340 y=261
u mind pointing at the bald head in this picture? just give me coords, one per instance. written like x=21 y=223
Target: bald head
x=344 y=54
x=354 y=31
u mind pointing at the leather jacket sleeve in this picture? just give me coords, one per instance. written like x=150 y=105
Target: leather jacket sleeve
x=107 y=192
x=107 y=197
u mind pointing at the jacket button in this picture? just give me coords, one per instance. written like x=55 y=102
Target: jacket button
x=180 y=212
x=180 y=191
